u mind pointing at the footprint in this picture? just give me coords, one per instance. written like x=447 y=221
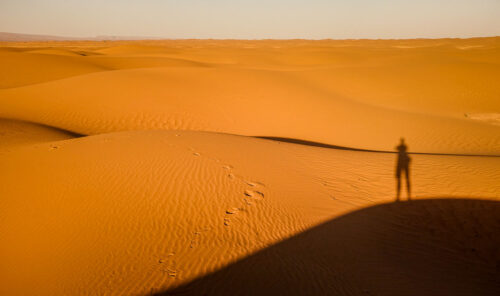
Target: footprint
x=232 y=211
x=196 y=154
x=194 y=241
x=172 y=273
x=260 y=193
x=227 y=167
x=254 y=184
x=247 y=202
x=197 y=236
x=254 y=194
x=231 y=176
x=169 y=256
x=169 y=263
x=53 y=147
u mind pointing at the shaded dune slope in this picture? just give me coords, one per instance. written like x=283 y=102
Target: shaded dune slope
x=424 y=247
x=15 y=133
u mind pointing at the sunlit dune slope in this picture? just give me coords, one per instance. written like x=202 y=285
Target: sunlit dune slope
x=137 y=48
x=37 y=65
x=139 y=212
x=440 y=94
x=20 y=68
x=228 y=100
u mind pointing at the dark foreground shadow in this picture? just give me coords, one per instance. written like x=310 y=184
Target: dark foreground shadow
x=422 y=247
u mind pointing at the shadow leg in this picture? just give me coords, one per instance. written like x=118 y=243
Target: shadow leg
x=398 y=187
x=408 y=184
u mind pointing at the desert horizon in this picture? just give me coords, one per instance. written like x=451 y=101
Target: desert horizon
x=29 y=37
x=278 y=148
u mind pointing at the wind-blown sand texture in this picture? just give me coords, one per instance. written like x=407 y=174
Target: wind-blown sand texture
x=206 y=167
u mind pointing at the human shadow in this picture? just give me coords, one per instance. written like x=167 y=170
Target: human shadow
x=422 y=247
x=403 y=167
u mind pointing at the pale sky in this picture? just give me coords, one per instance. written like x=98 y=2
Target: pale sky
x=253 y=19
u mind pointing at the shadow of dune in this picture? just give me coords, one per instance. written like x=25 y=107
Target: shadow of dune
x=329 y=146
x=422 y=247
x=48 y=127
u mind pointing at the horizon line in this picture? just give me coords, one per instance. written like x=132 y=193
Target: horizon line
x=47 y=37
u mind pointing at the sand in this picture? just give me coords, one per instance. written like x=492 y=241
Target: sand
x=139 y=168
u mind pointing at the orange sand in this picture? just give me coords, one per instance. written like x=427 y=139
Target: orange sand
x=131 y=168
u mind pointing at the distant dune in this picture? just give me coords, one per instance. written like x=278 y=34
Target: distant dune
x=17 y=37
x=212 y=167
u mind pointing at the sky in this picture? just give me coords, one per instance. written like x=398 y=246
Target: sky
x=253 y=19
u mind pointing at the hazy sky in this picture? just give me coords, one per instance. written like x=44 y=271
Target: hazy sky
x=253 y=18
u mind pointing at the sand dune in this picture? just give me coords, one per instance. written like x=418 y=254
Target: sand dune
x=162 y=99
x=137 y=168
x=165 y=207
x=355 y=96
x=20 y=69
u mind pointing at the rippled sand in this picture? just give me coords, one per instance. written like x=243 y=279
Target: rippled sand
x=213 y=167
